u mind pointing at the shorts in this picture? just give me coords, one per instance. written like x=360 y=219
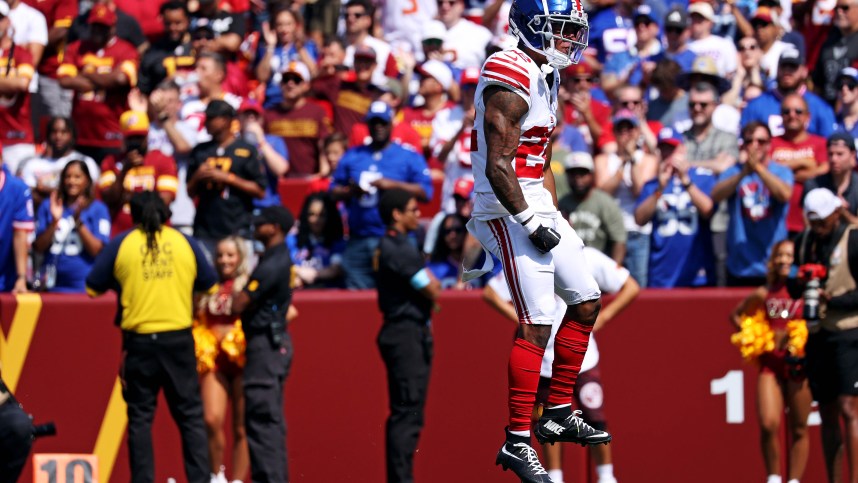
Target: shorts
x=535 y=277
x=832 y=366
x=784 y=367
x=589 y=397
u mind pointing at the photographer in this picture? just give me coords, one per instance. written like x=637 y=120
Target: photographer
x=16 y=436
x=135 y=170
x=830 y=245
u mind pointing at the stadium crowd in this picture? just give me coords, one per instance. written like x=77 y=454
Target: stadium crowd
x=686 y=137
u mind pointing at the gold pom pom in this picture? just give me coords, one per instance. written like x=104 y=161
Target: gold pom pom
x=755 y=337
x=797 y=331
x=205 y=346
x=233 y=344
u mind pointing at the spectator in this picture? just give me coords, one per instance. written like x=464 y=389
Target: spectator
x=634 y=66
x=703 y=42
x=284 y=44
x=362 y=175
x=16 y=217
x=432 y=44
x=631 y=99
x=803 y=153
x=167 y=133
x=332 y=59
x=724 y=117
x=580 y=108
x=839 y=50
x=707 y=146
x=766 y=33
x=155 y=271
x=466 y=40
x=677 y=203
x=220 y=370
x=463 y=205
x=402 y=134
x=611 y=28
x=16 y=129
x=407 y=25
x=623 y=174
x=172 y=55
x=317 y=248
x=29 y=30
x=359 y=16
x=273 y=154
x=237 y=79
x=53 y=100
x=841 y=178
x=300 y=123
x=594 y=214
x=671 y=106
x=445 y=261
x=451 y=138
x=758 y=193
x=71 y=230
x=210 y=74
x=136 y=169
x=847 y=99
x=333 y=148
x=101 y=70
x=436 y=81
x=750 y=77
x=127 y=27
x=350 y=99
x=676 y=36
x=42 y=173
x=791 y=78
x=229 y=28
x=225 y=176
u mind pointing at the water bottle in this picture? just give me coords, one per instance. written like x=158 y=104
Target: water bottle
x=811 y=302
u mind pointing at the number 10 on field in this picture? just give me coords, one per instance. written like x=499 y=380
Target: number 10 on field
x=65 y=468
x=732 y=385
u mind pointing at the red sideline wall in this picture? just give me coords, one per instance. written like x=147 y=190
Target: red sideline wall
x=659 y=361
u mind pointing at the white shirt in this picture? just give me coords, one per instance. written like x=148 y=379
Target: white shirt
x=445 y=126
x=468 y=40
x=403 y=20
x=721 y=50
x=193 y=114
x=29 y=27
x=769 y=61
x=47 y=170
x=382 y=53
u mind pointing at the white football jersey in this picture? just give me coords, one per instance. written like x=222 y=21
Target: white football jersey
x=516 y=71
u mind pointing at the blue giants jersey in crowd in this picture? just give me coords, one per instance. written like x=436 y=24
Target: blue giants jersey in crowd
x=16 y=213
x=363 y=166
x=610 y=33
x=767 y=109
x=681 y=243
x=757 y=221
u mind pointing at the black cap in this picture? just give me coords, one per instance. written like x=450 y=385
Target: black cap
x=219 y=108
x=791 y=55
x=277 y=215
x=842 y=136
x=676 y=17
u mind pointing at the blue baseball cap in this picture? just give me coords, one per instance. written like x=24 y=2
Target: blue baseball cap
x=646 y=12
x=379 y=110
x=671 y=136
x=849 y=72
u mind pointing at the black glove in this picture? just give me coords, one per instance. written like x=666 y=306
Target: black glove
x=544 y=238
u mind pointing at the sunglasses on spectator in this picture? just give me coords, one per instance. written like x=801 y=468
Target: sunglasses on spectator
x=354 y=14
x=630 y=104
x=702 y=105
x=844 y=7
x=759 y=24
x=447 y=2
x=458 y=229
x=674 y=30
x=747 y=47
x=760 y=141
x=644 y=21
x=295 y=79
x=433 y=42
x=851 y=85
x=787 y=111
x=580 y=80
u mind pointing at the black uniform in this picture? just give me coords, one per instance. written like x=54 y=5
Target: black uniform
x=16 y=436
x=405 y=342
x=269 y=354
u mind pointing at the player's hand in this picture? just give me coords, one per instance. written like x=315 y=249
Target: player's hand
x=542 y=237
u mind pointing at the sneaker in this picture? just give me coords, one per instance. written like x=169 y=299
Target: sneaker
x=568 y=429
x=517 y=455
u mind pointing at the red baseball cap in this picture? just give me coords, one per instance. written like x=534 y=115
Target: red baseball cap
x=463 y=188
x=471 y=75
x=251 y=105
x=102 y=14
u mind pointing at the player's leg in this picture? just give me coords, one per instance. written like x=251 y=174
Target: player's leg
x=770 y=409
x=798 y=401
x=530 y=279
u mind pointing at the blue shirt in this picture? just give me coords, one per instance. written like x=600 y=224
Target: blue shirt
x=681 y=253
x=840 y=126
x=281 y=57
x=363 y=166
x=610 y=33
x=685 y=58
x=67 y=253
x=16 y=213
x=272 y=195
x=317 y=255
x=757 y=221
x=767 y=109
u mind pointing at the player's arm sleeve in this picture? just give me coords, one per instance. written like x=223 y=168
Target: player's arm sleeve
x=206 y=280
x=100 y=278
x=503 y=69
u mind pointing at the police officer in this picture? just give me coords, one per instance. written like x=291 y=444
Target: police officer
x=832 y=358
x=263 y=305
x=16 y=436
x=155 y=269
x=406 y=293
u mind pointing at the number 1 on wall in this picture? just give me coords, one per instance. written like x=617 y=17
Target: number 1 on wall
x=733 y=385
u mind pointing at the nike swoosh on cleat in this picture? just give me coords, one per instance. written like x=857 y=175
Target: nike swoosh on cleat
x=504 y=451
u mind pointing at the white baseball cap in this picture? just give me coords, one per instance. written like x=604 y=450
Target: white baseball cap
x=820 y=203
x=438 y=71
x=704 y=9
x=579 y=160
x=434 y=29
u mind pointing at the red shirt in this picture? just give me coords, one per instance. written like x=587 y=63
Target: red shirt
x=349 y=101
x=402 y=134
x=157 y=173
x=600 y=110
x=811 y=150
x=217 y=308
x=147 y=13
x=58 y=14
x=15 y=126
x=781 y=308
x=301 y=129
x=96 y=113
x=421 y=122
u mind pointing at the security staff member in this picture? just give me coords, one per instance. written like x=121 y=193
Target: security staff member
x=263 y=305
x=155 y=270
x=16 y=436
x=406 y=293
x=832 y=346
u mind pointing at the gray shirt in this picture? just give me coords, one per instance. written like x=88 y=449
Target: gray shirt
x=715 y=143
x=597 y=219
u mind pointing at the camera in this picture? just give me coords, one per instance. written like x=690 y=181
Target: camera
x=812 y=274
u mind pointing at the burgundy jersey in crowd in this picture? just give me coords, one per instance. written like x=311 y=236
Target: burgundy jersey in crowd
x=420 y=121
x=15 y=126
x=349 y=101
x=788 y=153
x=301 y=129
x=58 y=14
x=96 y=113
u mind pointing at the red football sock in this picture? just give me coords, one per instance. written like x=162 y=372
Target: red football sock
x=525 y=361
x=570 y=345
